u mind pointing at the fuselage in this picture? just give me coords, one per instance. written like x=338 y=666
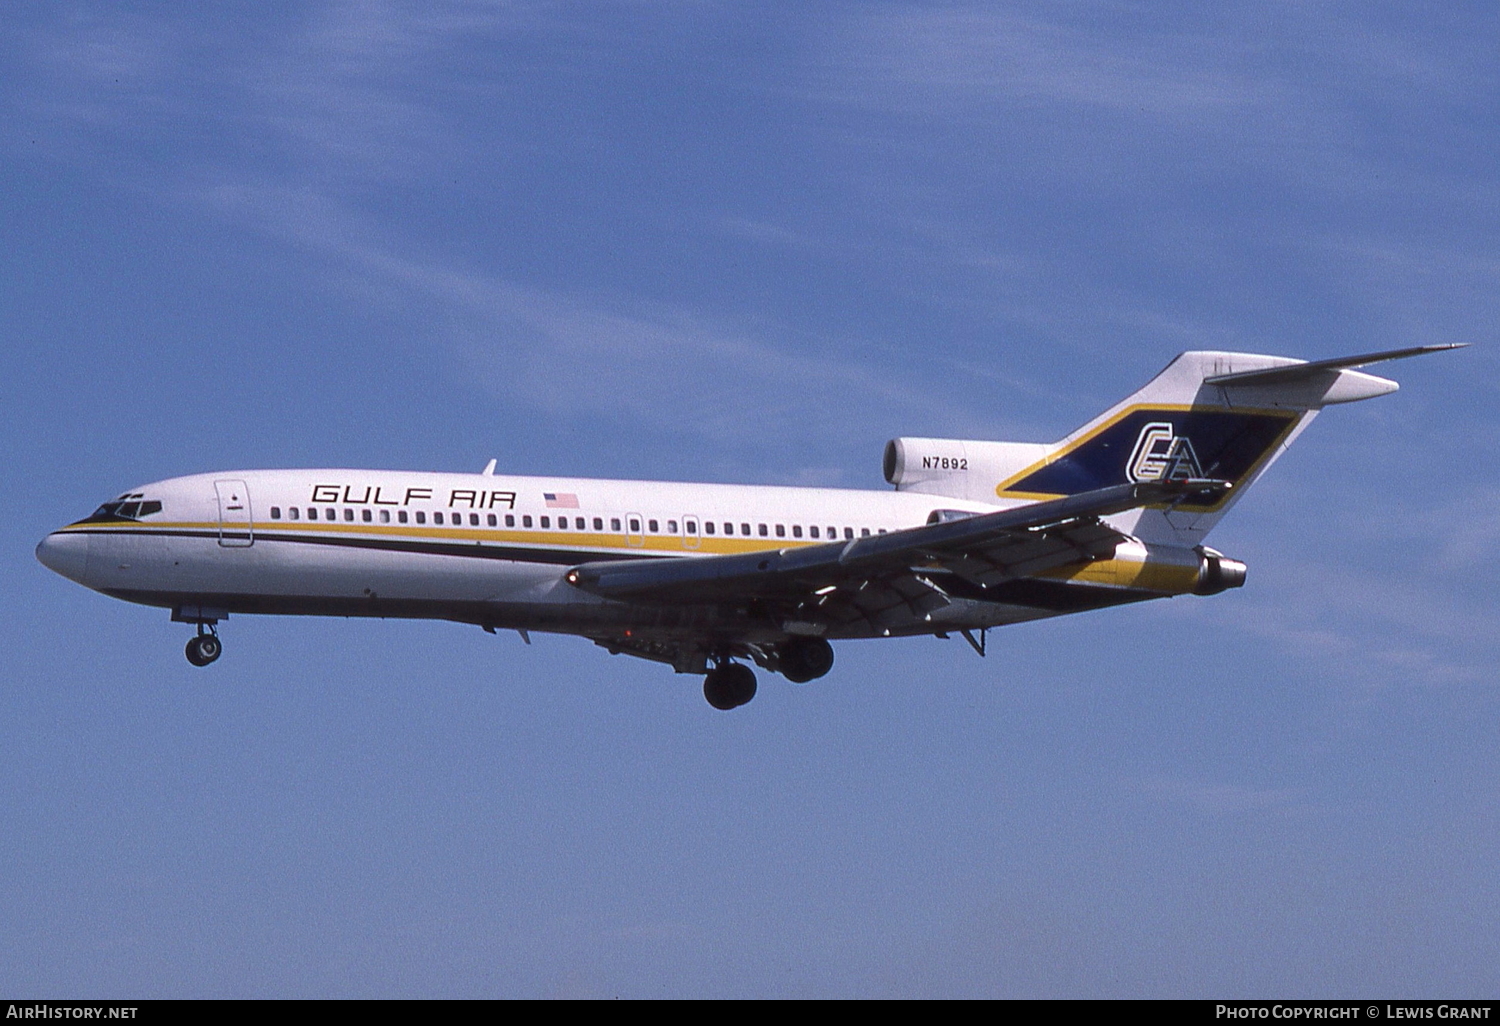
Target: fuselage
x=493 y=549
x=709 y=578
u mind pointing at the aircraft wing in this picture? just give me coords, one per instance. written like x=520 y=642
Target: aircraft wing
x=900 y=572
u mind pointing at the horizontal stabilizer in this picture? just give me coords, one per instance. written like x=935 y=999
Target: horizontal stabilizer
x=1302 y=371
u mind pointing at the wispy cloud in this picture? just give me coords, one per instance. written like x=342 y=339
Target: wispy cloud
x=978 y=57
x=304 y=125
x=1383 y=630
x=570 y=354
x=1216 y=799
x=1216 y=135
x=344 y=92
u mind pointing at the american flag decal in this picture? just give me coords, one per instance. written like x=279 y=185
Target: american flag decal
x=561 y=500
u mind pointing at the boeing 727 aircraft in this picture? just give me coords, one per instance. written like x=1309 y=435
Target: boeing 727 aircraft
x=708 y=577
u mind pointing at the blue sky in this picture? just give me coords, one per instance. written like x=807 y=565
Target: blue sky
x=750 y=243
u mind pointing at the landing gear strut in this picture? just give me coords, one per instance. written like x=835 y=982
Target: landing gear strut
x=729 y=685
x=204 y=648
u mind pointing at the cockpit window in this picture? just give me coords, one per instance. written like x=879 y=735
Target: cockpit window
x=118 y=510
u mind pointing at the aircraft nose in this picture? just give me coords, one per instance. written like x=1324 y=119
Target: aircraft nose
x=65 y=553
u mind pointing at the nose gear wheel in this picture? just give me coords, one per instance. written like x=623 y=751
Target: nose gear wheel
x=204 y=648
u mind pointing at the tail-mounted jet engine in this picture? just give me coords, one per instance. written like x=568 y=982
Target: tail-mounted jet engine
x=954 y=467
x=1217 y=572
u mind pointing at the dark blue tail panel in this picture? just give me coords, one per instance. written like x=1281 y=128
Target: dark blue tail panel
x=1146 y=444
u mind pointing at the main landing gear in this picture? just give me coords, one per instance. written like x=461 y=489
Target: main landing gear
x=206 y=647
x=729 y=685
x=805 y=659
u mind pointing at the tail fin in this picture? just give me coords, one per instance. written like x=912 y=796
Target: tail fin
x=1226 y=416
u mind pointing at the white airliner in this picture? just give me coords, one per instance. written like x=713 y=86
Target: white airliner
x=975 y=535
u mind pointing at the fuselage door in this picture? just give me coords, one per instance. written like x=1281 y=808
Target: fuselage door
x=236 y=527
x=635 y=530
x=690 y=537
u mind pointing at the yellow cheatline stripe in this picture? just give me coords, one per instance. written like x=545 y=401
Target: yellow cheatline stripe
x=711 y=545
x=1000 y=489
x=1168 y=578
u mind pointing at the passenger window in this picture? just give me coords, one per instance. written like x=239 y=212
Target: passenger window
x=437 y=518
x=312 y=513
x=491 y=520
x=293 y=513
x=526 y=520
x=510 y=520
x=366 y=515
x=849 y=533
x=598 y=523
x=275 y=512
x=421 y=516
x=780 y=531
x=764 y=530
x=864 y=532
x=385 y=516
x=546 y=522
x=652 y=526
x=671 y=527
x=813 y=531
x=401 y=516
x=330 y=514
x=474 y=519
x=708 y=527
x=579 y=524
x=833 y=532
x=692 y=527
x=881 y=531
x=796 y=530
x=745 y=530
x=349 y=514
x=635 y=526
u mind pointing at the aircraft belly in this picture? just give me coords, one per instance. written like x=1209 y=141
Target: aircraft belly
x=402 y=576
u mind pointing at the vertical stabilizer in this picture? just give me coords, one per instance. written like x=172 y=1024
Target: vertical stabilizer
x=1207 y=414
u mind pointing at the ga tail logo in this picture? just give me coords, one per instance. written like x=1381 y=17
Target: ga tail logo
x=1161 y=454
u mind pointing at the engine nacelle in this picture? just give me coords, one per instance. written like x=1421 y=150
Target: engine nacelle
x=956 y=467
x=1217 y=572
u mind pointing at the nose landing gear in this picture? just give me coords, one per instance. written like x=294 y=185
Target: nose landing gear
x=204 y=648
x=729 y=685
